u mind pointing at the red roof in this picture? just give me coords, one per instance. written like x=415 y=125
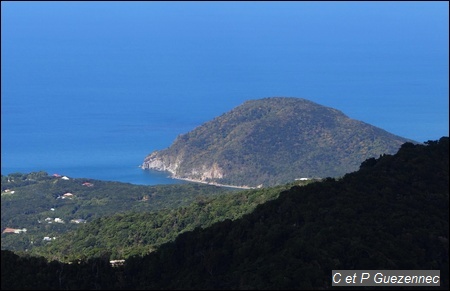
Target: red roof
x=8 y=229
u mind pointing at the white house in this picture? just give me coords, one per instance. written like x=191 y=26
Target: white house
x=67 y=195
x=59 y=220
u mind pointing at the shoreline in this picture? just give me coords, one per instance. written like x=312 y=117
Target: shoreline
x=213 y=183
x=173 y=176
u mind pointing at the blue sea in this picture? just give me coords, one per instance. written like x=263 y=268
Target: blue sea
x=90 y=88
x=107 y=145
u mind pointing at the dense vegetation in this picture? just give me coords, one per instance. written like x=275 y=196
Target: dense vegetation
x=272 y=141
x=138 y=233
x=391 y=214
x=33 y=201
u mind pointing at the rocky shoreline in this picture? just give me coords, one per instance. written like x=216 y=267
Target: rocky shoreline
x=152 y=162
x=161 y=163
x=173 y=176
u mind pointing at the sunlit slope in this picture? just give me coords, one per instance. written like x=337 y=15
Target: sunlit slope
x=272 y=141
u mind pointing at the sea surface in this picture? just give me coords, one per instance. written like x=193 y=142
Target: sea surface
x=105 y=146
x=88 y=89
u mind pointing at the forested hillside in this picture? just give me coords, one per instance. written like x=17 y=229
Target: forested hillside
x=273 y=141
x=125 y=234
x=391 y=214
x=48 y=206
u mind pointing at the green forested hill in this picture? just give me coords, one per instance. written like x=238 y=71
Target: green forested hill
x=391 y=214
x=137 y=233
x=273 y=141
x=137 y=218
x=33 y=201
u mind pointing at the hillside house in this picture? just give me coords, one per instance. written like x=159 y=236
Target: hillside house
x=67 y=195
x=59 y=220
x=14 y=230
x=79 y=220
x=115 y=263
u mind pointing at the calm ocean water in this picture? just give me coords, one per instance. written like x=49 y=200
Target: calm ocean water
x=90 y=88
x=107 y=147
